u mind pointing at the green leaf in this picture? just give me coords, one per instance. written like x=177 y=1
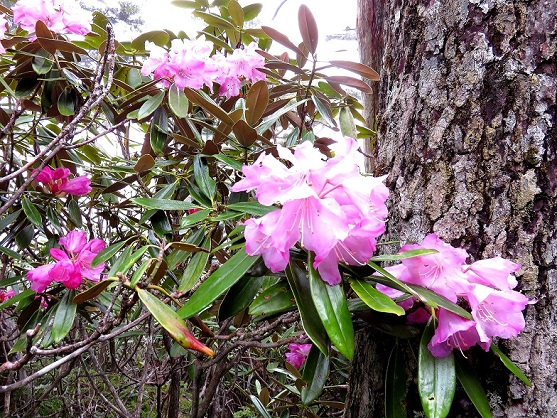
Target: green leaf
x=509 y=364
x=473 y=388
x=24 y=237
x=75 y=213
x=158 y=133
x=128 y=262
x=17 y=298
x=31 y=212
x=347 y=125
x=403 y=255
x=259 y=406
x=108 y=252
x=171 y=322
x=252 y=208
x=158 y=37
x=239 y=296
x=10 y=253
x=214 y=20
x=251 y=11
x=67 y=102
x=42 y=62
x=395 y=385
x=332 y=308
x=203 y=179
x=299 y=284
x=275 y=299
x=163 y=204
x=64 y=317
x=375 y=299
x=93 y=291
x=323 y=110
x=316 y=371
x=194 y=268
x=236 y=12
x=217 y=283
x=436 y=378
x=178 y=101
x=150 y=105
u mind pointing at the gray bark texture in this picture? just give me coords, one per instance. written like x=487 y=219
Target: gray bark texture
x=467 y=133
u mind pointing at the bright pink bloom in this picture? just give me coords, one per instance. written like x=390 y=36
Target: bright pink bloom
x=5 y=295
x=494 y=272
x=454 y=331
x=56 y=181
x=297 y=354
x=327 y=206
x=73 y=263
x=60 y=16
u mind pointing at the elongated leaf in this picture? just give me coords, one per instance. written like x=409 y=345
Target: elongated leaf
x=239 y=296
x=194 y=269
x=108 y=252
x=252 y=208
x=395 y=385
x=282 y=39
x=275 y=299
x=42 y=62
x=316 y=371
x=217 y=283
x=473 y=388
x=308 y=28
x=17 y=298
x=150 y=105
x=163 y=204
x=31 y=212
x=375 y=299
x=236 y=12
x=332 y=308
x=509 y=364
x=92 y=292
x=259 y=406
x=158 y=132
x=324 y=110
x=209 y=105
x=146 y=162
x=178 y=101
x=356 y=67
x=436 y=378
x=214 y=20
x=349 y=81
x=251 y=11
x=245 y=134
x=401 y=256
x=67 y=102
x=10 y=253
x=158 y=37
x=347 y=125
x=204 y=180
x=171 y=322
x=63 y=318
x=256 y=102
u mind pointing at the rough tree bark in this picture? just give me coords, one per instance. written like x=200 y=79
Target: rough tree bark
x=467 y=133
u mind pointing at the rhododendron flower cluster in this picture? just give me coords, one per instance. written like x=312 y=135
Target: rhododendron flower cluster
x=190 y=64
x=327 y=206
x=59 y=16
x=486 y=286
x=297 y=354
x=56 y=182
x=73 y=263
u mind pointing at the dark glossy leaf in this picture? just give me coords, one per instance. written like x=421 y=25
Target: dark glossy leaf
x=107 y=253
x=163 y=204
x=24 y=237
x=356 y=67
x=245 y=134
x=150 y=105
x=509 y=364
x=316 y=371
x=473 y=388
x=282 y=39
x=375 y=299
x=256 y=102
x=31 y=212
x=277 y=298
x=177 y=101
x=42 y=62
x=206 y=183
x=75 y=213
x=171 y=322
x=145 y=163
x=259 y=406
x=67 y=102
x=252 y=208
x=395 y=384
x=308 y=28
x=436 y=378
x=239 y=296
x=299 y=284
x=195 y=267
x=217 y=283
x=332 y=308
x=92 y=292
x=158 y=134
x=349 y=81
x=324 y=110
x=64 y=317
x=209 y=105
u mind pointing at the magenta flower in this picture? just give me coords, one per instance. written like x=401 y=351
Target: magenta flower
x=73 y=263
x=60 y=16
x=297 y=354
x=6 y=294
x=328 y=207
x=494 y=272
x=56 y=182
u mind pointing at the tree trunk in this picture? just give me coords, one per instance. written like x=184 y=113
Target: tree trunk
x=467 y=132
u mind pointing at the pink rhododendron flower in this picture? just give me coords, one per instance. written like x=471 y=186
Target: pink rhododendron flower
x=486 y=286
x=73 y=263
x=59 y=16
x=190 y=64
x=6 y=294
x=57 y=183
x=3 y=29
x=328 y=207
x=297 y=354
